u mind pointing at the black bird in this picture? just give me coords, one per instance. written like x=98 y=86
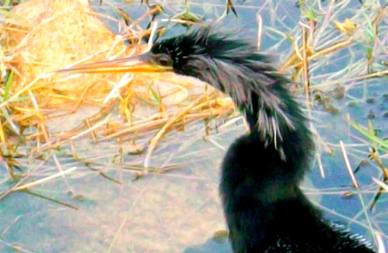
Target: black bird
x=263 y=205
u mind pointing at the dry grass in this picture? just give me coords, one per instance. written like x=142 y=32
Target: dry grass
x=64 y=33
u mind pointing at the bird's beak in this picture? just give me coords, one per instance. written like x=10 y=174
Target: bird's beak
x=136 y=64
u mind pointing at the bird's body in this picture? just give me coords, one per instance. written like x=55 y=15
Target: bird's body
x=265 y=209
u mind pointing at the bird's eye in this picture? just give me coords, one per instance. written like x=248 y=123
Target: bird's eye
x=164 y=60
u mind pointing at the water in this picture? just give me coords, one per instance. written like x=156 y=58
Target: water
x=180 y=211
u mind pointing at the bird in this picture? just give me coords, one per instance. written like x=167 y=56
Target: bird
x=264 y=206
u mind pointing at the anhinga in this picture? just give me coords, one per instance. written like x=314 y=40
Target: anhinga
x=264 y=207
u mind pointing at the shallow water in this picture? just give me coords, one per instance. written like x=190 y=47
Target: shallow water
x=180 y=211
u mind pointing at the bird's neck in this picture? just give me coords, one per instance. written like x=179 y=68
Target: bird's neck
x=260 y=190
x=269 y=167
x=261 y=176
x=280 y=158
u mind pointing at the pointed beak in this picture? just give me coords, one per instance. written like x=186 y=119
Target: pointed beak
x=136 y=64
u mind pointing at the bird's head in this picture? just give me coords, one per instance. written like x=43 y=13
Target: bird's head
x=229 y=64
x=197 y=52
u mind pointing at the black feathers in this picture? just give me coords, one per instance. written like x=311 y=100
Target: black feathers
x=265 y=210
